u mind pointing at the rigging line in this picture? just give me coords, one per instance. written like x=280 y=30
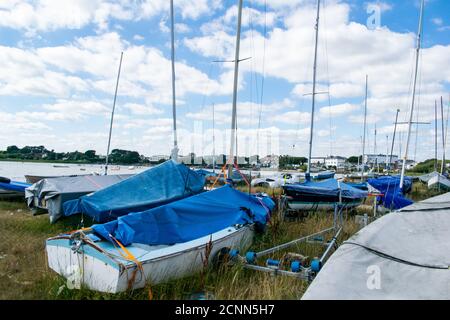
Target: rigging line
x=263 y=74
x=306 y=75
x=393 y=258
x=324 y=28
x=419 y=94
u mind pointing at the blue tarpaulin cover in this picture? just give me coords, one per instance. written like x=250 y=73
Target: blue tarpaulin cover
x=206 y=173
x=329 y=187
x=159 y=185
x=189 y=218
x=389 y=186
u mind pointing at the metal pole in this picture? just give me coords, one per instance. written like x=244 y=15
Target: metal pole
x=235 y=84
x=112 y=115
x=393 y=137
x=214 y=142
x=411 y=110
x=308 y=172
x=435 y=136
x=364 y=134
x=174 y=154
x=443 y=138
x=387 y=151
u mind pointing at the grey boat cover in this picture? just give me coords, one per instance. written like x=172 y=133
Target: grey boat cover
x=51 y=193
x=403 y=255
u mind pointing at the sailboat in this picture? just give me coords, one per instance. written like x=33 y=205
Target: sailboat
x=322 y=195
x=162 y=243
x=51 y=193
x=439 y=180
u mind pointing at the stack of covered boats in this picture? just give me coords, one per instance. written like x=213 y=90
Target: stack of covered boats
x=158 y=227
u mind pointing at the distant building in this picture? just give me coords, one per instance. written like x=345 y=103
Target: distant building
x=158 y=158
x=335 y=161
x=186 y=159
x=374 y=159
x=270 y=161
x=253 y=160
x=242 y=161
x=318 y=160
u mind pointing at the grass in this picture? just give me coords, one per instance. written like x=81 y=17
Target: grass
x=24 y=273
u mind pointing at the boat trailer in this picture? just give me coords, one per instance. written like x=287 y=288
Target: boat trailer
x=294 y=264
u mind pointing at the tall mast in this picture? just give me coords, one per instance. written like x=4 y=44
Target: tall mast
x=393 y=136
x=235 y=84
x=411 y=110
x=364 y=134
x=214 y=141
x=435 y=136
x=174 y=153
x=112 y=115
x=313 y=105
x=443 y=138
x=387 y=151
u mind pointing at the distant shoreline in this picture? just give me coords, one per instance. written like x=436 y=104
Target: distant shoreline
x=71 y=162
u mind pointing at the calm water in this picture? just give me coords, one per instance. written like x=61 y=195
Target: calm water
x=17 y=170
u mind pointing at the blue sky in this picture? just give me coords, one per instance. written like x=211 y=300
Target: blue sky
x=59 y=61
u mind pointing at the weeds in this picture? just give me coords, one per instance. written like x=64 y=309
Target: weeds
x=24 y=273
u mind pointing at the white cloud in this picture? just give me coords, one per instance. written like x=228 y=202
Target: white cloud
x=338 y=110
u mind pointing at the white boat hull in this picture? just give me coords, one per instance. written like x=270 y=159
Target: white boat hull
x=439 y=181
x=106 y=271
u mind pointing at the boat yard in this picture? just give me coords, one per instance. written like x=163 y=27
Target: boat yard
x=323 y=212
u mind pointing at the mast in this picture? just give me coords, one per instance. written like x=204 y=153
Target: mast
x=235 y=84
x=393 y=137
x=443 y=138
x=435 y=136
x=214 y=142
x=375 y=146
x=112 y=115
x=387 y=151
x=411 y=110
x=308 y=172
x=174 y=153
x=364 y=134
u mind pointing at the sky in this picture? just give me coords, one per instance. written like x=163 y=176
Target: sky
x=59 y=62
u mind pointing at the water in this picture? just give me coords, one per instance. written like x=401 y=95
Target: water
x=16 y=171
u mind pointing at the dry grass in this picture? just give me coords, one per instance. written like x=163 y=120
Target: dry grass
x=24 y=273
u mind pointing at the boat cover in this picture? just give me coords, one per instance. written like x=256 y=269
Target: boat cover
x=324 y=175
x=189 y=218
x=206 y=173
x=14 y=186
x=52 y=193
x=389 y=186
x=158 y=185
x=424 y=178
x=329 y=187
x=402 y=255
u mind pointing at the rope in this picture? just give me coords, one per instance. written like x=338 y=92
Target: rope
x=130 y=257
x=399 y=260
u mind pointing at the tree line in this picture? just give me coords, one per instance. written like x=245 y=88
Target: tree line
x=40 y=153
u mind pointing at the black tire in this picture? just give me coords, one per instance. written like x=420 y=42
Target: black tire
x=5 y=180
